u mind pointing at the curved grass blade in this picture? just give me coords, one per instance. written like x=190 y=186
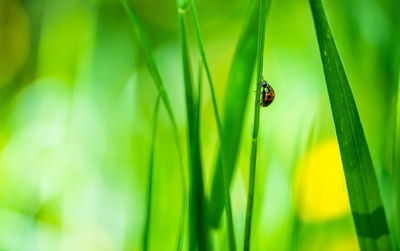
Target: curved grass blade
x=236 y=100
x=151 y=64
x=256 y=123
x=150 y=175
x=198 y=235
x=223 y=155
x=155 y=73
x=365 y=199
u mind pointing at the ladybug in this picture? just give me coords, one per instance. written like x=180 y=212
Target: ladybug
x=267 y=94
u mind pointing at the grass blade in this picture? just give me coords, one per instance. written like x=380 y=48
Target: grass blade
x=254 y=141
x=150 y=175
x=396 y=166
x=365 y=199
x=223 y=155
x=236 y=100
x=198 y=235
x=155 y=73
x=152 y=66
x=198 y=113
x=199 y=91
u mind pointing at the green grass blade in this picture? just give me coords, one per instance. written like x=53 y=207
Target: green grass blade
x=223 y=155
x=181 y=229
x=198 y=115
x=365 y=199
x=198 y=235
x=182 y=223
x=396 y=165
x=152 y=66
x=199 y=90
x=150 y=176
x=236 y=100
x=155 y=73
x=256 y=123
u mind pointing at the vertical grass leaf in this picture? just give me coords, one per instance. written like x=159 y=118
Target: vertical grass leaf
x=199 y=93
x=198 y=235
x=223 y=154
x=396 y=165
x=365 y=199
x=236 y=100
x=152 y=66
x=150 y=176
x=155 y=73
x=256 y=123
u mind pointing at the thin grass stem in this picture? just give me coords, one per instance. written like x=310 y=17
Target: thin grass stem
x=146 y=231
x=254 y=142
x=236 y=100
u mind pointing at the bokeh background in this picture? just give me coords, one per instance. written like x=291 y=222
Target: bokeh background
x=76 y=100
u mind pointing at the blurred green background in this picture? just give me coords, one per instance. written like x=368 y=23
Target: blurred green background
x=76 y=102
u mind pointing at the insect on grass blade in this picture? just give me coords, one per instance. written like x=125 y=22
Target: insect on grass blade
x=236 y=100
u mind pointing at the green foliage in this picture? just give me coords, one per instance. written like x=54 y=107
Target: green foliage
x=236 y=99
x=89 y=159
x=155 y=73
x=151 y=64
x=198 y=235
x=146 y=231
x=256 y=124
x=223 y=155
x=364 y=194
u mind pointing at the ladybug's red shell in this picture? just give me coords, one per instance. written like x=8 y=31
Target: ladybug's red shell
x=267 y=96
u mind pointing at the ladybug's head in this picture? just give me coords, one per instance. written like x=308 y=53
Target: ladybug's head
x=264 y=84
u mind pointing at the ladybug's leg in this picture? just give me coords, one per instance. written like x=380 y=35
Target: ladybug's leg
x=258 y=92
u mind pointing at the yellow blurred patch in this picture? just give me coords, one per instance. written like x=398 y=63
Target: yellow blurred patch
x=320 y=186
x=348 y=244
